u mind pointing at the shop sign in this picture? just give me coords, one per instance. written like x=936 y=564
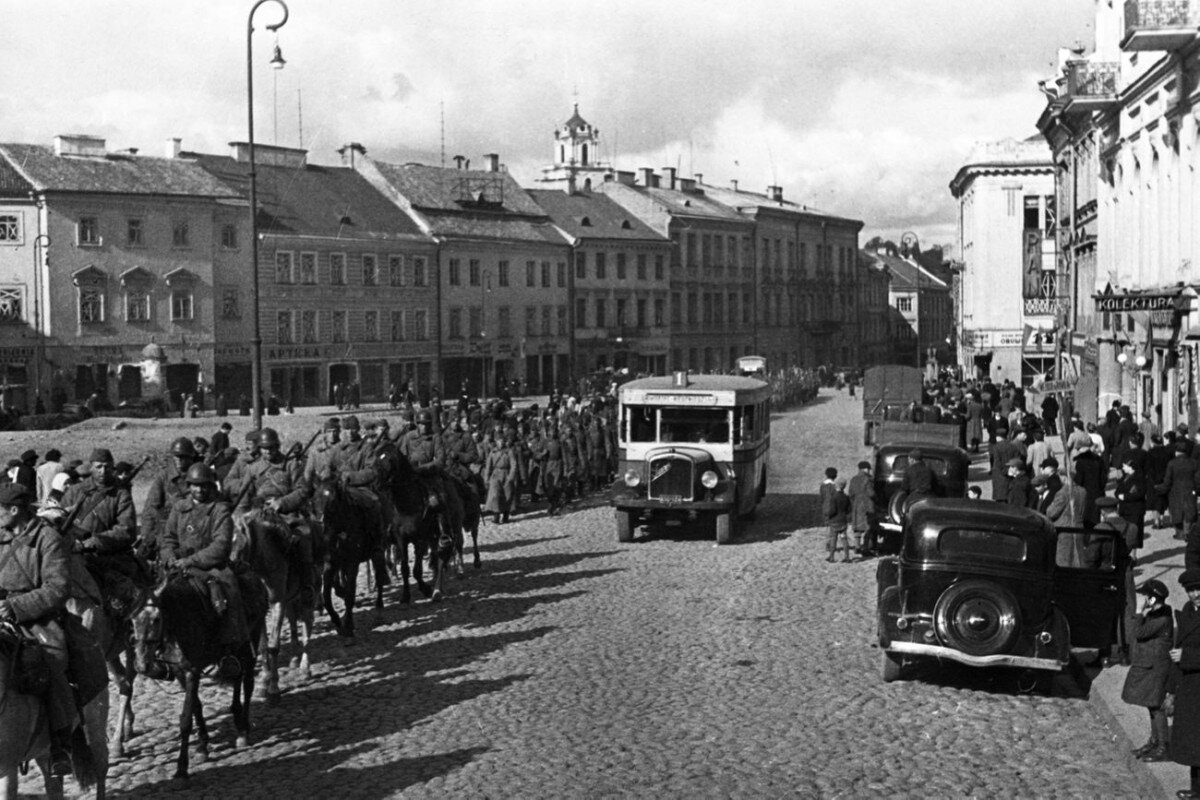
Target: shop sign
x=1008 y=338
x=1122 y=303
x=1058 y=387
x=292 y=353
x=231 y=351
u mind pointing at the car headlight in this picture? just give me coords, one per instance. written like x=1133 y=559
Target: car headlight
x=632 y=478
x=709 y=479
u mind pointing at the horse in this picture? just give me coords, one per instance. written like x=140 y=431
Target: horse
x=353 y=535
x=264 y=542
x=472 y=516
x=176 y=635
x=429 y=517
x=114 y=634
x=25 y=732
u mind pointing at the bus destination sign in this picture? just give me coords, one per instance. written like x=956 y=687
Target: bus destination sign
x=665 y=399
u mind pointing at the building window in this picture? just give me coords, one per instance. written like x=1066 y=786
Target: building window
x=308 y=268
x=659 y=269
x=398 y=334
x=370 y=264
x=88 y=231
x=530 y=321
x=580 y=313
x=600 y=315
x=181 y=304
x=904 y=304
x=621 y=266
x=693 y=308
x=622 y=315
x=641 y=313
x=10 y=228
x=562 y=274
x=659 y=316
x=371 y=326
x=420 y=271
x=580 y=266
x=601 y=266
x=283 y=267
x=91 y=304
x=308 y=326
x=229 y=237
x=421 y=324
x=12 y=304
x=562 y=320
x=395 y=270
x=137 y=305
x=338 y=332
x=455 y=331
x=180 y=235
x=230 y=305
x=746 y=308
x=546 y=274
x=135 y=233
x=283 y=327
x=546 y=313
x=504 y=321
x=476 y=322
x=732 y=251
x=530 y=273
x=473 y=272
x=455 y=274
x=337 y=269
x=641 y=266
x=502 y=277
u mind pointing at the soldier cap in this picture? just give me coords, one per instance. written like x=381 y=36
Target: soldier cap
x=350 y=423
x=101 y=454
x=201 y=474
x=333 y=424
x=15 y=494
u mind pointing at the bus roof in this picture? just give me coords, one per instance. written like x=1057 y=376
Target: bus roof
x=659 y=390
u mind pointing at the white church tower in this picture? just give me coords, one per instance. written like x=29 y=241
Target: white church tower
x=577 y=164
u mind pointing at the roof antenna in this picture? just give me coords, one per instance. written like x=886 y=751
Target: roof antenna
x=300 y=115
x=442 y=106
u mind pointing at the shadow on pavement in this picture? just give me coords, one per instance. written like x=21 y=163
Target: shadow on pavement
x=1162 y=555
x=511 y=544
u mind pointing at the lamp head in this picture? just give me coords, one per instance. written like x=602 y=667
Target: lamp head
x=277 y=60
x=1122 y=358
x=1140 y=360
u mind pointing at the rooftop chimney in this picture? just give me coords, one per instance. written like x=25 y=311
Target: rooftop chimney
x=647 y=177
x=775 y=193
x=669 y=177
x=734 y=182
x=349 y=151
x=174 y=146
x=492 y=160
x=460 y=160
x=699 y=176
x=625 y=177
x=78 y=144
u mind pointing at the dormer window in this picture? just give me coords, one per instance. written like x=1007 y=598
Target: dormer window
x=625 y=225
x=586 y=222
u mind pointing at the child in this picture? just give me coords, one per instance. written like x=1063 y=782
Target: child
x=1153 y=633
x=974 y=493
x=837 y=517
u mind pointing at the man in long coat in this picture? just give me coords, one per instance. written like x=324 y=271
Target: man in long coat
x=1179 y=486
x=1185 y=732
x=861 y=491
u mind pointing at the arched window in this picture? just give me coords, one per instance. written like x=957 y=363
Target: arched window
x=562 y=153
x=584 y=160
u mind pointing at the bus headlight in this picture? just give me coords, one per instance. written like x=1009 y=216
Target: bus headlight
x=709 y=479
x=632 y=478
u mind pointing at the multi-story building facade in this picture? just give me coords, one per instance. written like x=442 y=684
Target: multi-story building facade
x=620 y=286
x=1122 y=122
x=347 y=289
x=502 y=275
x=920 y=311
x=108 y=271
x=874 y=334
x=1012 y=294
x=805 y=279
x=712 y=300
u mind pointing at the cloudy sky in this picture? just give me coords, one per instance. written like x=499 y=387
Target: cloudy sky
x=865 y=108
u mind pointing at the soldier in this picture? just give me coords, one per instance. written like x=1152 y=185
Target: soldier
x=197 y=538
x=320 y=463
x=105 y=525
x=276 y=483
x=421 y=447
x=552 y=470
x=500 y=472
x=462 y=457
x=34 y=580
x=535 y=448
x=354 y=463
x=235 y=478
x=168 y=487
x=570 y=460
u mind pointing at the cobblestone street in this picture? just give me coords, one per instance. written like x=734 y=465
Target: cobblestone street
x=572 y=666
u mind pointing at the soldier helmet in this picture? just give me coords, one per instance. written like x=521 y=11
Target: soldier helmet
x=350 y=423
x=201 y=473
x=183 y=447
x=333 y=424
x=267 y=437
x=424 y=415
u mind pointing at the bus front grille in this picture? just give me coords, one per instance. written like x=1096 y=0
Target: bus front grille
x=670 y=479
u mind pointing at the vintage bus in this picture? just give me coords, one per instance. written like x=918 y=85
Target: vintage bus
x=692 y=447
x=752 y=366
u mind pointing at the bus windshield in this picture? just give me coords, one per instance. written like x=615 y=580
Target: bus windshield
x=694 y=425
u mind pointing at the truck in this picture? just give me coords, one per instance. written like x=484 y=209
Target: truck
x=893 y=410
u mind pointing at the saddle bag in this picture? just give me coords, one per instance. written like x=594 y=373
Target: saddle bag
x=31 y=668
x=86 y=669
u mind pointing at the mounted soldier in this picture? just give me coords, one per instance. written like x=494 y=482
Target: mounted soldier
x=421 y=447
x=168 y=488
x=275 y=484
x=238 y=474
x=354 y=463
x=461 y=454
x=196 y=539
x=34 y=583
x=319 y=464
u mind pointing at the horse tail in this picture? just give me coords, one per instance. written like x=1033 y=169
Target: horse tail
x=83 y=763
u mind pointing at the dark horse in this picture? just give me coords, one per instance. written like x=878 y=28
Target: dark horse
x=429 y=516
x=176 y=635
x=353 y=534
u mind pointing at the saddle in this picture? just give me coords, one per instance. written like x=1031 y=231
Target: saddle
x=30 y=664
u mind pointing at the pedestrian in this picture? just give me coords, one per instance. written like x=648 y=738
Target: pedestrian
x=1185 y=731
x=1152 y=634
x=51 y=465
x=825 y=492
x=1179 y=487
x=837 y=516
x=1020 y=490
x=862 y=507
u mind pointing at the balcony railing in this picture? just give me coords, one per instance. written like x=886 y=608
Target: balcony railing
x=1091 y=86
x=1159 y=25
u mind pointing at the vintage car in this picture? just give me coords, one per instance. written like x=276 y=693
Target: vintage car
x=950 y=467
x=987 y=584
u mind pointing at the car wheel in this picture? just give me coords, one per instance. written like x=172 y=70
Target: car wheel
x=891 y=668
x=624 y=525
x=725 y=527
x=978 y=617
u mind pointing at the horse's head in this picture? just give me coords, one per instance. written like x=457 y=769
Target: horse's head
x=327 y=494
x=240 y=549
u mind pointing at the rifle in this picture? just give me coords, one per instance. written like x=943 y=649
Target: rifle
x=129 y=478
x=303 y=450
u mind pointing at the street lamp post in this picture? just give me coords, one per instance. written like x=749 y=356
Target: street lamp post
x=41 y=243
x=256 y=341
x=485 y=286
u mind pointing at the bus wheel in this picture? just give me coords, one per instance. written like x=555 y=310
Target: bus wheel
x=624 y=525
x=725 y=527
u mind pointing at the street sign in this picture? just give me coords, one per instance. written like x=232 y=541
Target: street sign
x=1122 y=303
x=1058 y=387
